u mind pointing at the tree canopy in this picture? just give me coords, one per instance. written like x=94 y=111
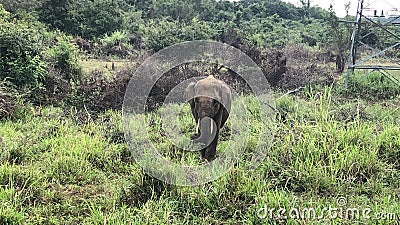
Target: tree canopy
x=257 y=21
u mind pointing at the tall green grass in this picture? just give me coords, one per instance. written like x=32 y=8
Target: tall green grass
x=57 y=170
x=372 y=86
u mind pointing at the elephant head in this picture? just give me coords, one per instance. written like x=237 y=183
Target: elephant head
x=210 y=101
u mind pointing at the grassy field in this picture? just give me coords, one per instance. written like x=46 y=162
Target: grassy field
x=332 y=155
x=393 y=73
x=91 y=65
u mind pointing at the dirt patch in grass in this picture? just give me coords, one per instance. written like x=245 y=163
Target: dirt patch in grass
x=84 y=192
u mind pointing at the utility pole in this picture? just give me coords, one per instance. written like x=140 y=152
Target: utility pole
x=371 y=52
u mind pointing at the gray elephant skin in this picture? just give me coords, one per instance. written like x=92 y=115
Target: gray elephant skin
x=210 y=100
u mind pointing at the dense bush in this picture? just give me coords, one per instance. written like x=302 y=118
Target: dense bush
x=117 y=44
x=21 y=51
x=307 y=67
x=64 y=56
x=20 y=5
x=159 y=34
x=37 y=62
x=89 y=19
x=157 y=24
x=98 y=93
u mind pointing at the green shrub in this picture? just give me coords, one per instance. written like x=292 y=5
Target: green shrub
x=89 y=19
x=162 y=33
x=116 y=44
x=64 y=56
x=21 y=48
x=3 y=13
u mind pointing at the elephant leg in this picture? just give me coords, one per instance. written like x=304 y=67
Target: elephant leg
x=203 y=153
x=210 y=152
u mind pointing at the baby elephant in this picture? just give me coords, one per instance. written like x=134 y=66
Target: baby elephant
x=210 y=100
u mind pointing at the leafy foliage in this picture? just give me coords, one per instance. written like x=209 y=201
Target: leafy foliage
x=116 y=44
x=4 y=14
x=266 y=23
x=86 y=18
x=26 y=6
x=159 y=34
x=64 y=56
x=21 y=52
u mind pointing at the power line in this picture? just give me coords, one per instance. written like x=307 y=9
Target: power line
x=371 y=41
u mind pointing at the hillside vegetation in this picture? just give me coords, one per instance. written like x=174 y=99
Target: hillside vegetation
x=64 y=68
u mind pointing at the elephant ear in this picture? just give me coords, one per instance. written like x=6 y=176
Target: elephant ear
x=189 y=96
x=226 y=100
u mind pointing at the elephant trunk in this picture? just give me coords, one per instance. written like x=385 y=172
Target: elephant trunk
x=206 y=127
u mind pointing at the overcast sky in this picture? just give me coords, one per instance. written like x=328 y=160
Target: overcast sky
x=338 y=5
